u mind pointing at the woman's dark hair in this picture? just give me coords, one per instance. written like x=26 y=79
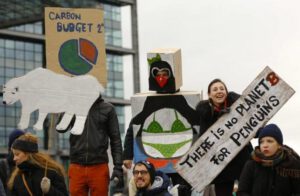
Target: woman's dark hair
x=215 y=81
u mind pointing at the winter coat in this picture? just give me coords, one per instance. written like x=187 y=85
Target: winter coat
x=159 y=187
x=7 y=166
x=282 y=179
x=208 y=115
x=4 y=172
x=2 y=191
x=33 y=175
x=100 y=129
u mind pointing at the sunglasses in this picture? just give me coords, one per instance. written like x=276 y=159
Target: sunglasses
x=142 y=172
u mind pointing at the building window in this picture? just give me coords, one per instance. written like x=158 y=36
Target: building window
x=121 y=118
x=36 y=28
x=112 y=24
x=16 y=59
x=114 y=86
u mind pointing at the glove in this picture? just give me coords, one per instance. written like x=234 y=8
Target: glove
x=127 y=163
x=45 y=185
x=117 y=178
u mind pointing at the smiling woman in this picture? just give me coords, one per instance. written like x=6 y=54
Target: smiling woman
x=209 y=111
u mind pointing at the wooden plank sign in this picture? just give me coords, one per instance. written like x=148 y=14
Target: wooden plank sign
x=223 y=140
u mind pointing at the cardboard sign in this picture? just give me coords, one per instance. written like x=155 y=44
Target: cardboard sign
x=222 y=141
x=75 y=42
x=49 y=92
x=165 y=72
x=164 y=127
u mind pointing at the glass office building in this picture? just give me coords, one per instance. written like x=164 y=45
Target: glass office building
x=22 y=49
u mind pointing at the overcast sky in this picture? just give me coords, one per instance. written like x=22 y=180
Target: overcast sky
x=233 y=40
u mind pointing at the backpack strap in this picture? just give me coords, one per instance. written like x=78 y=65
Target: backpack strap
x=26 y=185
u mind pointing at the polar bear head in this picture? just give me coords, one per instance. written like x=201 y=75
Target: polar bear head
x=10 y=93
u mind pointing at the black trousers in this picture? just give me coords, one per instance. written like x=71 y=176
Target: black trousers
x=224 y=189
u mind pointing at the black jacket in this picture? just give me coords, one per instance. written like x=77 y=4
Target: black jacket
x=257 y=180
x=159 y=186
x=7 y=166
x=101 y=128
x=2 y=191
x=208 y=116
x=128 y=143
x=33 y=175
x=4 y=172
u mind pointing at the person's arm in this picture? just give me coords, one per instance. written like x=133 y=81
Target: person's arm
x=232 y=97
x=115 y=138
x=246 y=179
x=204 y=112
x=116 y=149
x=128 y=147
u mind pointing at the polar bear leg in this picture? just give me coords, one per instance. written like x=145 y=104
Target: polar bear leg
x=39 y=124
x=79 y=125
x=24 y=120
x=65 y=121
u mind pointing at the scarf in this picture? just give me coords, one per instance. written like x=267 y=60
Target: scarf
x=285 y=160
x=219 y=110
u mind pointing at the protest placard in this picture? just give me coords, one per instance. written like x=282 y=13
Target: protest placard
x=223 y=140
x=75 y=42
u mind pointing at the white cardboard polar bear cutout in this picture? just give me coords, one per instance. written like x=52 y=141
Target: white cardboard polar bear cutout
x=48 y=92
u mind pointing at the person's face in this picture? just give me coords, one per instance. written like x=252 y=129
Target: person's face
x=163 y=74
x=268 y=146
x=141 y=177
x=19 y=156
x=162 y=77
x=217 y=93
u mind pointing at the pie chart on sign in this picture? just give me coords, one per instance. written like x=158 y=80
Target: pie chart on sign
x=77 y=56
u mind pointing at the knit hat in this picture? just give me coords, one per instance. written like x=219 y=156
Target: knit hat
x=25 y=146
x=13 y=136
x=150 y=167
x=271 y=130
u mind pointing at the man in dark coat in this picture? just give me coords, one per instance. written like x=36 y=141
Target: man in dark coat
x=89 y=172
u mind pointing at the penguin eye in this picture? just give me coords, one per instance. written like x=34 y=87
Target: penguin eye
x=164 y=71
x=154 y=71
